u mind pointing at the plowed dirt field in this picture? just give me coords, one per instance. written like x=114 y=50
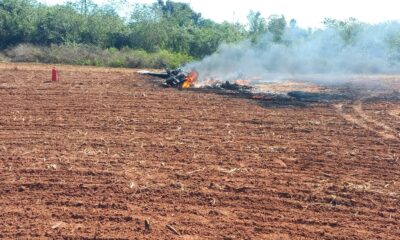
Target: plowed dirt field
x=100 y=152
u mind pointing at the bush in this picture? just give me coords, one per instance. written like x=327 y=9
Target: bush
x=2 y=58
x=172 y=59
x=74 y=54
x=24 y=53
x=78 y=54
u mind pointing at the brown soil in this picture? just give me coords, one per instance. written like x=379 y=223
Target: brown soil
x=96 y=154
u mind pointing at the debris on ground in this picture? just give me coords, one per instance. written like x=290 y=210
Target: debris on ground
x=172 y=229
x=147 y=225
x=175 y=78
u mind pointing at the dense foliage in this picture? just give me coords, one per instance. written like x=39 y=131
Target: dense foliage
x=170 y=32
x=171 y=27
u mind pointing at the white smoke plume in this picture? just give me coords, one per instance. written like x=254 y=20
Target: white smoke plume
x=375 y=49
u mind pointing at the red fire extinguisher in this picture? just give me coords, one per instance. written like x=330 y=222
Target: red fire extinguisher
x=54 y=74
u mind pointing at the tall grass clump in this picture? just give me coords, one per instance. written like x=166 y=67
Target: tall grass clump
x=79 y=54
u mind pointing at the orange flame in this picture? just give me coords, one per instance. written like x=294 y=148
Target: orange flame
x=242 y=81
x=190 y=79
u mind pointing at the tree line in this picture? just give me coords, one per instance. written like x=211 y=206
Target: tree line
x=166 y=25
x=172 y=28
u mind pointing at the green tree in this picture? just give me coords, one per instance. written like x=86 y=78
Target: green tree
x=147 y=30
x=179 y=13
x=347 y=29
x=276 y=26
x=17 y=21
x=257 y=25
x=58 y=25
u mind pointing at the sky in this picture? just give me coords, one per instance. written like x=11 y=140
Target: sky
x=308 y=13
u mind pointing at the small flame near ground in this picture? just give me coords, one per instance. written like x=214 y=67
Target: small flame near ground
x=211 y=82
x=314 y=87
x=190 y=79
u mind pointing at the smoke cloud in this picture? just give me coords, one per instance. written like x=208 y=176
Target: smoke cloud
x=374 y=49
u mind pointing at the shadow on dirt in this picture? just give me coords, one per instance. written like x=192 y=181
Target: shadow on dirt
x=302 y=99
x=299 y=99
x=279 y=100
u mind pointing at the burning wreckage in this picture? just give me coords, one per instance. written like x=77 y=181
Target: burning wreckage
x=176 y=78
x=180 y=79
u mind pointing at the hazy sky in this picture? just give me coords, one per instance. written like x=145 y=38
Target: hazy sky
x=308 y=13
